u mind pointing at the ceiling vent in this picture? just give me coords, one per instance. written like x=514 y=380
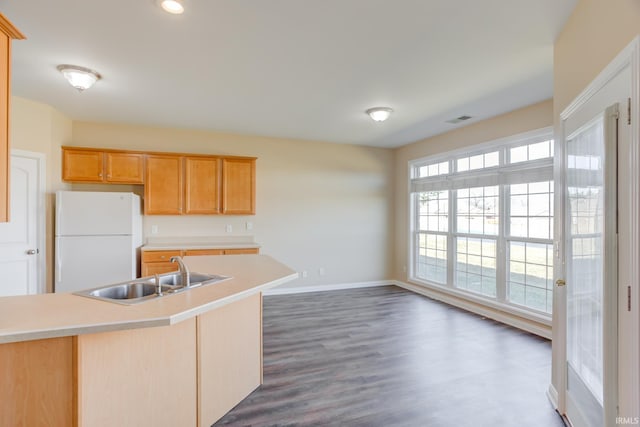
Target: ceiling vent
x=458 y=119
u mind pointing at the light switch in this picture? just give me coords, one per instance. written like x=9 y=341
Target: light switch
x=249 y=225
x=154 y=229
x=229 y=228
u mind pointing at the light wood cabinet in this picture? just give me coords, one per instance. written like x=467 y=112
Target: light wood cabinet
x=174 y=183
x=157 y=262
x=238 y=186
x=85 y=165
x=7 y=33
x=124 y=168
x=163 y=188
x=202 y=185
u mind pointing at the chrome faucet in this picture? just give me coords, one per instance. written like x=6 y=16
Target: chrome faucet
x=184 y=271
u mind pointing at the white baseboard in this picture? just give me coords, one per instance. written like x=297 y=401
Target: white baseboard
x=495 y=314
x=330 y=287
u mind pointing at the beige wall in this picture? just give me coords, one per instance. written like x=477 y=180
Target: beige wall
x=533 y=117
x=595 y=33
x=319 y=205
x=39 y=128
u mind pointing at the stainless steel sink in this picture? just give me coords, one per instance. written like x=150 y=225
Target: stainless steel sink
x=145 y=288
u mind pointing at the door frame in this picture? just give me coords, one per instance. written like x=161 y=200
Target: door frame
x=41 y=214
x=628 y=57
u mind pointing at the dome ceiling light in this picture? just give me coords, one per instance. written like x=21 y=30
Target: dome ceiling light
x=79 y=77
x=379 y=114
x=174 y=7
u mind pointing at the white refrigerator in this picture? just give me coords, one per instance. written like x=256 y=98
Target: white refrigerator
x=98 y=239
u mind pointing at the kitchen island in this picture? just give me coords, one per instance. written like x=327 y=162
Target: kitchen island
x=178 y=360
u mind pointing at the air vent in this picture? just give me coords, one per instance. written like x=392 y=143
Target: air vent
x=458 y=119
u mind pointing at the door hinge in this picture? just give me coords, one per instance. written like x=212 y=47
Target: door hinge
x=628 y=298
x=628 y=111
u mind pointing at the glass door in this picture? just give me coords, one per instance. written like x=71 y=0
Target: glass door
x=591 y=266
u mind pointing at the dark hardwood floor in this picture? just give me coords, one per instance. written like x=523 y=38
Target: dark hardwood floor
x=388 y=357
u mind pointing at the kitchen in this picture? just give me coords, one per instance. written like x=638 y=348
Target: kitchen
x=349 y=201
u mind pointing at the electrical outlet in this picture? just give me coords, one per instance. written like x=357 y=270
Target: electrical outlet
x=154 y=229
x=304 y=274
x=321 y=271
x=249 y=225
x=229 y=228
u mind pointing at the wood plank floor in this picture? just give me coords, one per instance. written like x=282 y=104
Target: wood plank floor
x=388 y=357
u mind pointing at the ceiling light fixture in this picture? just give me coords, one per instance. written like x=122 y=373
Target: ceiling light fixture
x=172 y=6
x=79 y=77
x=379 y=114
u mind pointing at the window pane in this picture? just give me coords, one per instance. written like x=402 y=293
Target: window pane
x=492 y=159
x=529 y=281
x=476 y=162
x=477 y=211
x=463 y=164
x=476 y=265
x=518 y=154
x=539 y=150
x=531 y=210
x=432 y=257
x=433 y=208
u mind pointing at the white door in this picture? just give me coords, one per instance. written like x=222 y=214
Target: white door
x=20 y=254
x=591 y=253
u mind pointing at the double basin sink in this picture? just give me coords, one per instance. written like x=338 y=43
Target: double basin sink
x=149 y=288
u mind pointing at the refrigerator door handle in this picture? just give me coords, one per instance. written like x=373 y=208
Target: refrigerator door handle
x=58 y=262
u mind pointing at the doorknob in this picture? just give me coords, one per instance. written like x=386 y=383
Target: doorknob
x=33 y=251
x=560 y=282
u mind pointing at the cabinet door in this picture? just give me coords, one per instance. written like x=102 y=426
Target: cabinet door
x=238 y=186
x=202 y=185
x=163 y=185
x=5 y=45
x=124 y=168
x=82 y=165
x=7 y=32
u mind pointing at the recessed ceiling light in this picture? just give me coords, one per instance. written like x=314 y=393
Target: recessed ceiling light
x=172 y=6
x=379 y=114
x=79 y=77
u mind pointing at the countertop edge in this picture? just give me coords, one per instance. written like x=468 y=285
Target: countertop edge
x=179 y=317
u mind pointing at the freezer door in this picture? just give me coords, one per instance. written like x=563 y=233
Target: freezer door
x=88 y=213
x=89 y=262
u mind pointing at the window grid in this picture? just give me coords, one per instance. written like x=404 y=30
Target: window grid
x=432 y=257
x=530 y=277
x=476 y=265
x=483 y=250
x=433 y=169
x=433 y=211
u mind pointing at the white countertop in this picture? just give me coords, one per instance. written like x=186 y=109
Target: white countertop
x=31 y=317
x=200 y=242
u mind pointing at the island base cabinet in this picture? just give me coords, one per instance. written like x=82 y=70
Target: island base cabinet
x=137 y=378
x=36 y=383
x=229 y=356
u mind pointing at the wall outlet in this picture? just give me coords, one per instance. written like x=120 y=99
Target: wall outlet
x=154 y=229
x=229 y=228
x=249 y=225
x=321 y=271
x=304 y=274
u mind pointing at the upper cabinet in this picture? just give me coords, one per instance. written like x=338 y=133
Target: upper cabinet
x=163 y=188
x=174 y=183
x=7 y=33
x=238 y=189
x=86 y=165
x=202 y=185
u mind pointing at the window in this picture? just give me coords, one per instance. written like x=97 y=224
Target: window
x=482 y=222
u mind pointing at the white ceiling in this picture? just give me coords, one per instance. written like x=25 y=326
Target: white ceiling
x=290 y=68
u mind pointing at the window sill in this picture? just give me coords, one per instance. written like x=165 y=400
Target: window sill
x=491 y=304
